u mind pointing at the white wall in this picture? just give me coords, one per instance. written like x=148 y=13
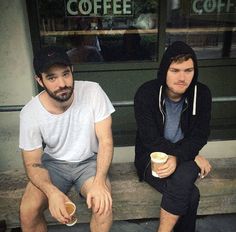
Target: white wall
x=16 y=54
x=17 y=85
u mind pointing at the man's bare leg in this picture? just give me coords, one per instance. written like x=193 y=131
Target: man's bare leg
x=101 y=222
x=98 y=222
x=33 y=204
x=167 y=221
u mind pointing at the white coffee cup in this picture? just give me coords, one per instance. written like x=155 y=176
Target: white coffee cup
x=71 y=209
x=157 y=159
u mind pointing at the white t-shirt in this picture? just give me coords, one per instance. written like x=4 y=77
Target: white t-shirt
x=71 y=135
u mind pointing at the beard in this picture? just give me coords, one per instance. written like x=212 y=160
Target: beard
x=62 y=94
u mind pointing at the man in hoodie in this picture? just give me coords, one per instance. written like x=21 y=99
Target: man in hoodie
x=173 y=114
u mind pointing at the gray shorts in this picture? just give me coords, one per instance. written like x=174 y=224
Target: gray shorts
x=65 y=174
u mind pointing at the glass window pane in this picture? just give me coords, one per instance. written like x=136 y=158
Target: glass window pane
x=206 y=25
x=101 y=30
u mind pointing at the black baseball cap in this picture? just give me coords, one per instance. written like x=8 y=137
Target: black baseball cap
x=49 y=56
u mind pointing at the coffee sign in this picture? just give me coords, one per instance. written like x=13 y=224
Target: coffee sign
x=98 y=8
x=213 y=7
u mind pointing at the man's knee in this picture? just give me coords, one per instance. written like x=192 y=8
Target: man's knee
x=30 y=211
x=182 y=183
x=104 y=218
x=32 y=206
x=181 y=191
x=186 y=174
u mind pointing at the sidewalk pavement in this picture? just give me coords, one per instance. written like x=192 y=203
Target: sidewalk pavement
x=214 y=223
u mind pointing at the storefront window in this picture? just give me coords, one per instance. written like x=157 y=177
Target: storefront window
x=101 y=30
x=206 y=25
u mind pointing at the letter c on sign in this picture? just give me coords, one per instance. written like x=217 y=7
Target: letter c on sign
x=68 y=7
x=196 y=8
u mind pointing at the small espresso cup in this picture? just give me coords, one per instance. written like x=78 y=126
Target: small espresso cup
x=71 y=209
x=157 y=159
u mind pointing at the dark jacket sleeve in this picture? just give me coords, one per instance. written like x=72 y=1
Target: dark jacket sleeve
x=198 y=130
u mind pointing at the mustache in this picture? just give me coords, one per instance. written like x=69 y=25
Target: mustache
x=62 y=89
x=181 y=83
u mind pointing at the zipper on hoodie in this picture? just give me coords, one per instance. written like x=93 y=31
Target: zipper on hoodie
x=161 y=106
x=163 y=113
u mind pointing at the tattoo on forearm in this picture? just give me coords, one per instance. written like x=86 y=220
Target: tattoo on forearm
x=37 y=165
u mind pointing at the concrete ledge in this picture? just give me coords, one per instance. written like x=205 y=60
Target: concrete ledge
x=131 y=199
x=213 y=149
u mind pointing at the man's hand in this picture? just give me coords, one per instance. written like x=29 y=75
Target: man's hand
x=168 y=168
x=99 y=197
x=56 y=202
x=203 y=164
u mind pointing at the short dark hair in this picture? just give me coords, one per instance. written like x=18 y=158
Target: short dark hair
x=181 y=58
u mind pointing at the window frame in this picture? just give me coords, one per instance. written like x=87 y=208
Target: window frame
x=33 y=16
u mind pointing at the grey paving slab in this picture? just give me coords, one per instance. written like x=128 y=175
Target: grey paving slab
x=216 y=223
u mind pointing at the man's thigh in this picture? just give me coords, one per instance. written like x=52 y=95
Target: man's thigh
x=84 y=171
x=59 y=172
x=158 y=183
x=178 y=189
x=184 y=176
x=66 y=174
x=85 y=174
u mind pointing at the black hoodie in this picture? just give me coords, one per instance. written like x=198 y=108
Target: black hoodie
x=150 y=115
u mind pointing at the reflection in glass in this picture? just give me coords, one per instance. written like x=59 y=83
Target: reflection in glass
x=207 y=26
x=124 y=31
x=84 y=49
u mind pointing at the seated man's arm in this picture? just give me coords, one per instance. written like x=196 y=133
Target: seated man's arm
x=37 y=174
x=39 y=177
x=100 y=193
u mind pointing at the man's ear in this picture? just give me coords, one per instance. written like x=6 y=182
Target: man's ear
x=39 y=80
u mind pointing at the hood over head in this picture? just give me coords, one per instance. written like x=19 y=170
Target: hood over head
x=175 y=49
